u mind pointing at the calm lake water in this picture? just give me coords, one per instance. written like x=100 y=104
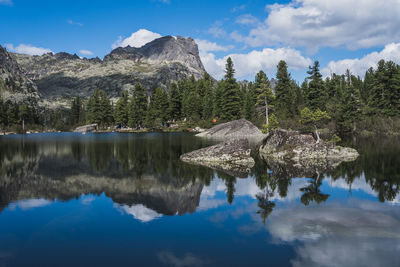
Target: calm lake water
x=126 y=200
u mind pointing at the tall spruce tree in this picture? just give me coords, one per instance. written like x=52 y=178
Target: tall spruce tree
x=350 y=106
x=137 y=107
x=284 y=93
x=157 y=113
x=250 y=102
x=99 y=109
x=207 y=97
x=175 y=104
x=316 y=96
x=231 y=101
x=121 y=110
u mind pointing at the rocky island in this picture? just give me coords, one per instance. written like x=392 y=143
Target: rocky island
x=302 y=150
x=232 y=157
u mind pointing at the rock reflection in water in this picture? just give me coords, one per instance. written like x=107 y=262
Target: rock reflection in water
x=325 y=217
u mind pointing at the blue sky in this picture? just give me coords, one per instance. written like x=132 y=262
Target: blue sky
x=340 y=34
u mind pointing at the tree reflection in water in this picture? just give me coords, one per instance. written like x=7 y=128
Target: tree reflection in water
x=146 y=168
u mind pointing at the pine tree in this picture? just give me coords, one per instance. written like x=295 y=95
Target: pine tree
x=99 y=109
x=121 y=109
x=106 y=109
x=314 y=118
x=250 y=102
x=393 y=90
x=284 y=93
x=157 y=112
x=217 y=99
x=264 y=92
x=137 y=107
x=175 y=104
x=77 y=111
x=231 y=101
x=207 y=97
x=350 y=106
x=316 y=95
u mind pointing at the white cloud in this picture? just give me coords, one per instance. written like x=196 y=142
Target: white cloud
x=86 y=52
x=30 y=204
x=27 y=49
x=137 y=39
x=358 y=66
x=247 y=19
x=329 y=233
x=86 y=200
x=217 y=31
x=250 y=63
x=74 y=23
x=139 y=212
x=330 y=23
x=207 y=46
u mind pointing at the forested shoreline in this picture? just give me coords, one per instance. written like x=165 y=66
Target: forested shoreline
x=348 y=104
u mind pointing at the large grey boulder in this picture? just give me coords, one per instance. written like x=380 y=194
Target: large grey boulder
x=86 y=128
x=238 y=129
x=282 y=146
x=232 y=157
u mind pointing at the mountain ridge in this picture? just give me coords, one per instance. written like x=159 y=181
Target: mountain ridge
x=60 y=76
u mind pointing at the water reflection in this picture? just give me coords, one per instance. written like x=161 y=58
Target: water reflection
x=321 y=215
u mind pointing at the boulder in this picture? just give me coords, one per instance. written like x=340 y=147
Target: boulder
x=232 y=157
x=282 y=146
x=86 y=128
x=238 y=129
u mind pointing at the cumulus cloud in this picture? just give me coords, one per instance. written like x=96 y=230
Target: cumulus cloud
x=250 y=63
x=358 y=66
x=86 y=52
x=207 y=46
x=137 y=39
x=330 y=23
x=139 y=212
x=247 y=19
x=27 y=49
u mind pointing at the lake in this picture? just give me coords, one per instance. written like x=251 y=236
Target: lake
x=68 y=199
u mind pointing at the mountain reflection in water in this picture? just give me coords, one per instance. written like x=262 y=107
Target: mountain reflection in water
x=52 y=184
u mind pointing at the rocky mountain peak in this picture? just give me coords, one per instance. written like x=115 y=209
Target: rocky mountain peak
x=62 y=75
x=14 y=85
x=165 y=49
x=64 y=55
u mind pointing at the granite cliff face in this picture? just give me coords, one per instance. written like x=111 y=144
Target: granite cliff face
x=14 y=85
x=158 y=63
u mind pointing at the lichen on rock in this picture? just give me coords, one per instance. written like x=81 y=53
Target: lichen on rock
x=231 y=156
x=237 y=129
x=282 y=146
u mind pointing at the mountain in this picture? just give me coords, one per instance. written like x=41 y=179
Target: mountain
x=61 y=76
x=14 y=85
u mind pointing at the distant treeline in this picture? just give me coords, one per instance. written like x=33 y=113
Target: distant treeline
x=348 y=102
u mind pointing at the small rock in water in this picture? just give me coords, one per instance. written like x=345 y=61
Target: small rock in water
x=232 y=157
